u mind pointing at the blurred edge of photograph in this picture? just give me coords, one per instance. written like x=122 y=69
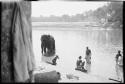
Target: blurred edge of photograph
x=62 y=41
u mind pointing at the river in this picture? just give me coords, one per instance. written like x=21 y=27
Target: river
x=71 y=43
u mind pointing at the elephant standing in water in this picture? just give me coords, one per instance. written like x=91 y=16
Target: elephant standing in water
x=47 y=45
x=44 y=43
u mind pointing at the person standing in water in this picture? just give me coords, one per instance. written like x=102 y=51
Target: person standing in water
x=119 y=66
x=117 y=56
x=88 y=59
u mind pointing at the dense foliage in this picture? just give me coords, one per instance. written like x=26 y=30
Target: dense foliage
x=109 y=15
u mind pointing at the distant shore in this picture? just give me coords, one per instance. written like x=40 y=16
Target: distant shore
x=68 y=26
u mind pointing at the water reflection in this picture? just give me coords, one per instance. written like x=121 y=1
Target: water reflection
x=72 y=43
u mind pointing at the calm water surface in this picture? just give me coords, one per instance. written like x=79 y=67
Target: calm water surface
x=70 y=44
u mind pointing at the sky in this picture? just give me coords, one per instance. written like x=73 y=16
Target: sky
x=59 y=8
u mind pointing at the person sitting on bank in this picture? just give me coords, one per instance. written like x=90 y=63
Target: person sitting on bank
x=83 y=66
x=79 y=61
x=55 y=59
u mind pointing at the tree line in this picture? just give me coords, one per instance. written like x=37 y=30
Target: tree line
x=110 y=14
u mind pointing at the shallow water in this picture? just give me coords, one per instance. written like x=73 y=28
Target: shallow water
x=70 y=44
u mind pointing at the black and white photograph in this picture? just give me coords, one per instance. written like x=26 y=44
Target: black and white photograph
x=62 y=41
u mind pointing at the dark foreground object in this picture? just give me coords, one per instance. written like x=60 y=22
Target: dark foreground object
x=52 y=63
x=115 y=80
x=47 y=77
x=83 y=70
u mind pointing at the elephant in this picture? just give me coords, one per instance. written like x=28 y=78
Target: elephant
x=51 y=44
x=43 y=43
x=47 y=44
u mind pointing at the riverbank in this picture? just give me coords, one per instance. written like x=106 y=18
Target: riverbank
x=72 y=76
x=83 y=25
x=70 y=44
